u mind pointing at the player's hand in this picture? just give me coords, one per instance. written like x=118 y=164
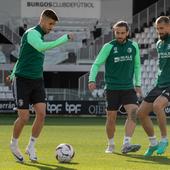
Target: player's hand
x=8 y=80
x=92 y=86
x=138 y=92
x=71 y=36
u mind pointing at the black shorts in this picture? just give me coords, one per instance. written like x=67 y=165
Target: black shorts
x=28 y=91
x=116 y=98
x=156 y=92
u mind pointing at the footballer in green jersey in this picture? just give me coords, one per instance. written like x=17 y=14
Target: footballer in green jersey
x=159 y=97
x=28 y=85
x=121 y=58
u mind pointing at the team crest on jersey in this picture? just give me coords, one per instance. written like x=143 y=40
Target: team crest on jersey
x=129 y=50
x=20 y=102
x=115 y=50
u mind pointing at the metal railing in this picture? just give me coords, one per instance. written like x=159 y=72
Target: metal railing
x=62 y=94
x=149 y=14
x=89 y=53
x=83 y=82
x=9 y=34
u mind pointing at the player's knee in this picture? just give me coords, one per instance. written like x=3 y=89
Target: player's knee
x=156 y=107
x=110 y=119
x=140 y=114
x=41 y=116
x=133 y=115
x=24 y=118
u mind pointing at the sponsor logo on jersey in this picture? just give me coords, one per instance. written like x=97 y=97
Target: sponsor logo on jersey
x=164 y=55
x=122 y=58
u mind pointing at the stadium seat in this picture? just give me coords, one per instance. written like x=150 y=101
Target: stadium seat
x=155 y=68
x=153 y=45
x=146 y=62
x=147 y=81
x=152 y=62
x=146 y=29
x=152 y=81
x=151 y=75
x=144 y=75
x=2 y=95
x=148 y=68
x=2 y=57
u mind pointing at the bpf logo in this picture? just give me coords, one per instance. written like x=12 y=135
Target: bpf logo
x=72 y=108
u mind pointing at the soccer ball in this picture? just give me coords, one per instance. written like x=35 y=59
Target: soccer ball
x=64 y=152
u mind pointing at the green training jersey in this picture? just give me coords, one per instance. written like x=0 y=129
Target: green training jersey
x=122 y=65
x=31 y=55
x=163 y=49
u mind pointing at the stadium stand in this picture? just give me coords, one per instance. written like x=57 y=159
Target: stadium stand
x=86 y=45
x=5 y=93
x=80 y=27
x=146 y=36
x=2 y=57
x=144 y=33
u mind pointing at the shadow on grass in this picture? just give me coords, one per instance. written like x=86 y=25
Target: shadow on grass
x=44 y=166
x=152 y=159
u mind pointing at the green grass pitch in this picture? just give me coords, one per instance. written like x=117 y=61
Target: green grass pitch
x=87 y=136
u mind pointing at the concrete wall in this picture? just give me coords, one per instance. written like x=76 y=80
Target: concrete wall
x=10 y=9
x=114 y=10
x=106 y=9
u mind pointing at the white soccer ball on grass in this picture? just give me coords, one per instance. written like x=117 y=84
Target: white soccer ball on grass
x=64 y=153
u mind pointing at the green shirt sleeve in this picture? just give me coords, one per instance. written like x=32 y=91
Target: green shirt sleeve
x=159 y=71
x=100 y=59
x=13 y=71
x=137 y=68
x=34 y=39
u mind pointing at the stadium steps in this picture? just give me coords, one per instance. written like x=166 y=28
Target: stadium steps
x=8 y=35
x=53 y=57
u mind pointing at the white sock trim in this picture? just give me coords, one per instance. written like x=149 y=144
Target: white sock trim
x=14 y=141
x=111 y=141
x=153 y=140
x=32 y=141
x=126 y=140
x=164 y=139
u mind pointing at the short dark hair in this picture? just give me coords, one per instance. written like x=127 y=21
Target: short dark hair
x=50 y=14
x=121 y=24
x=162 y=19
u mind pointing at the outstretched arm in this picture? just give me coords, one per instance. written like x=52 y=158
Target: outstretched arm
x=34 y=39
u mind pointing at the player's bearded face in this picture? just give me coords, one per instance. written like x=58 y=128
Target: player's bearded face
x=162 y=30
x=120 y=34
